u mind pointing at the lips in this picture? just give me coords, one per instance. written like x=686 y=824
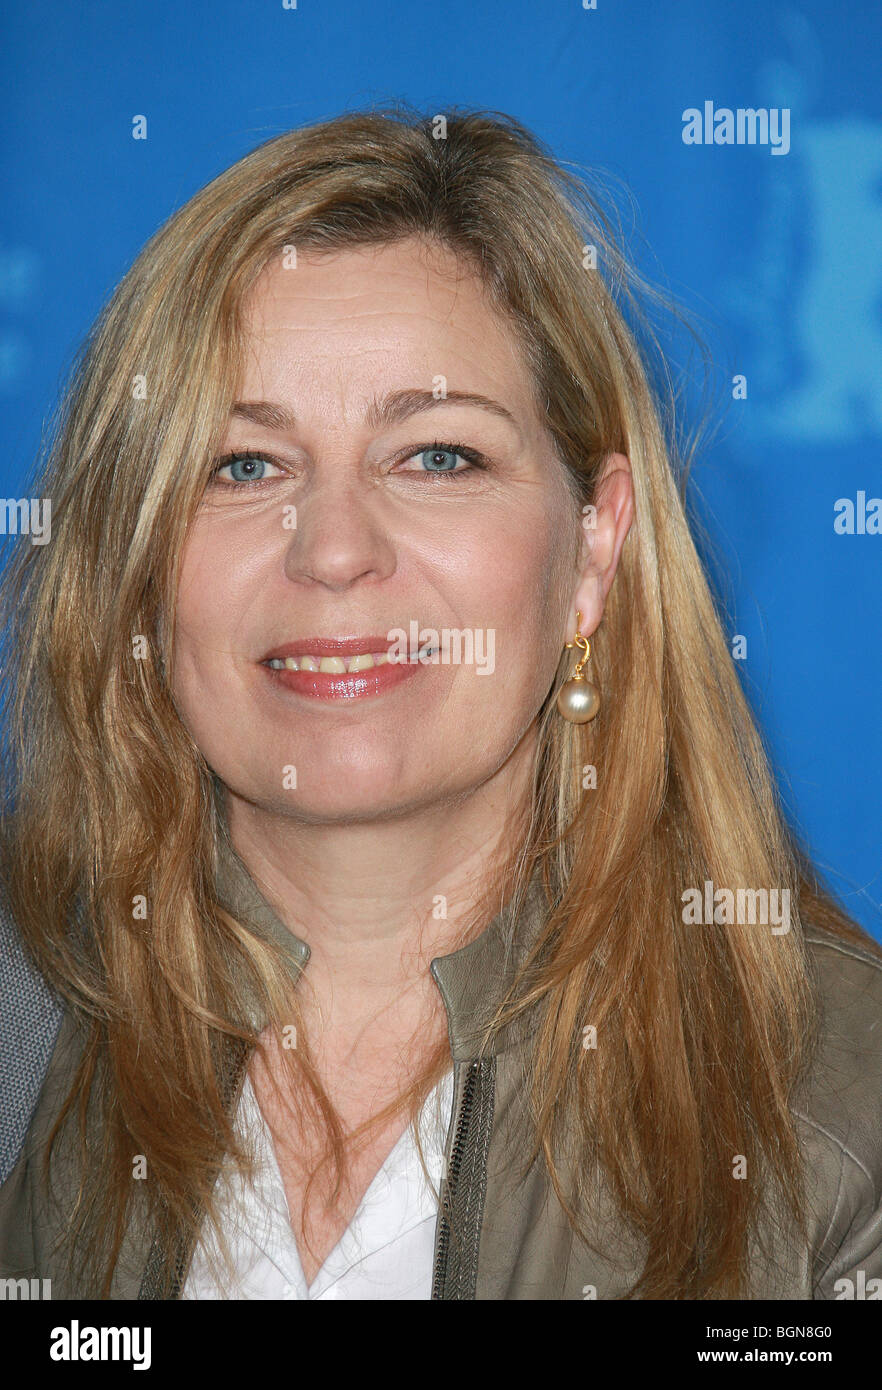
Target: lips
x=288 y=667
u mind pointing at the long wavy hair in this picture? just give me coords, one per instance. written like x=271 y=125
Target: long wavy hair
x=704 y=1032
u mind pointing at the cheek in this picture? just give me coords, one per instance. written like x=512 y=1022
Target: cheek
x=211 y=604
x=216 y=587
x=526 y=578
x=515 y=580
x=198 y=628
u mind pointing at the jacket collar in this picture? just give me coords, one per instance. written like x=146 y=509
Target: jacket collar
x=472 y=980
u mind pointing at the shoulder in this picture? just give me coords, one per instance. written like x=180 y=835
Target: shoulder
x=30 y=1018
x=839 y=1110
x=844 y=1094
x=849 y=977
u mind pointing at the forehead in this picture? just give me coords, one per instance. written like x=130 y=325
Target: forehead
x=408 y=307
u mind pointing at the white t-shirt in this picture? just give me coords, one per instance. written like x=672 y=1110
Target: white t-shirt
x=387 y=1252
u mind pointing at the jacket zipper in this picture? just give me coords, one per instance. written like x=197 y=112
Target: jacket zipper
x=467 y=1162
x=158 y=1257
x=462 y=1190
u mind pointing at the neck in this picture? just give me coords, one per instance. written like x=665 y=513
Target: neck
x=377 y=901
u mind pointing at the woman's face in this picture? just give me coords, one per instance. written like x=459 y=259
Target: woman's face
x=388 y=504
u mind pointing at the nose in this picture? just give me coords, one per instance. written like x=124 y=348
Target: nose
x=340 y=537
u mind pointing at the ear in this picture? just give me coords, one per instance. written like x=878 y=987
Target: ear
x=604 y=528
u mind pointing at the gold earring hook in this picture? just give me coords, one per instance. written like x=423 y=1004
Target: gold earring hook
x=583 y=644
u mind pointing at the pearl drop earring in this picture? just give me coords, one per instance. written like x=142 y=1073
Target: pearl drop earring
x=578 y=700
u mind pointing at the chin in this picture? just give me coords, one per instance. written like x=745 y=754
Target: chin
x=327 y=805
x=329 y=784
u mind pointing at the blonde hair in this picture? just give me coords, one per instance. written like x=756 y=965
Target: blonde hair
x=705 y=1031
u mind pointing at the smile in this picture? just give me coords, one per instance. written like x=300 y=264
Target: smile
x=345 y=675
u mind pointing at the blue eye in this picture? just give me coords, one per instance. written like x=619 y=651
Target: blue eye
x=245 y=467
x=439 y=460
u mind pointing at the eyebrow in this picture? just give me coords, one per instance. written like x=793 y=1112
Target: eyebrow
x=381 y=412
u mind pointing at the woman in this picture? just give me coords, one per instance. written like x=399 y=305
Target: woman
x=377 y=753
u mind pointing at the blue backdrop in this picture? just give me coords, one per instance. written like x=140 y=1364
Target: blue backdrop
x=776 y=247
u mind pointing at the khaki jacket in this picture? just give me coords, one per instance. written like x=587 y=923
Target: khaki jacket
x=516 y=1241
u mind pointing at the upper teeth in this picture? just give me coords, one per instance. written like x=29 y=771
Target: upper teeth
x=336 y=665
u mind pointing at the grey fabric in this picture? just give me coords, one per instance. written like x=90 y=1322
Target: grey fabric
x=30 y=1017
x=516 y=1240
